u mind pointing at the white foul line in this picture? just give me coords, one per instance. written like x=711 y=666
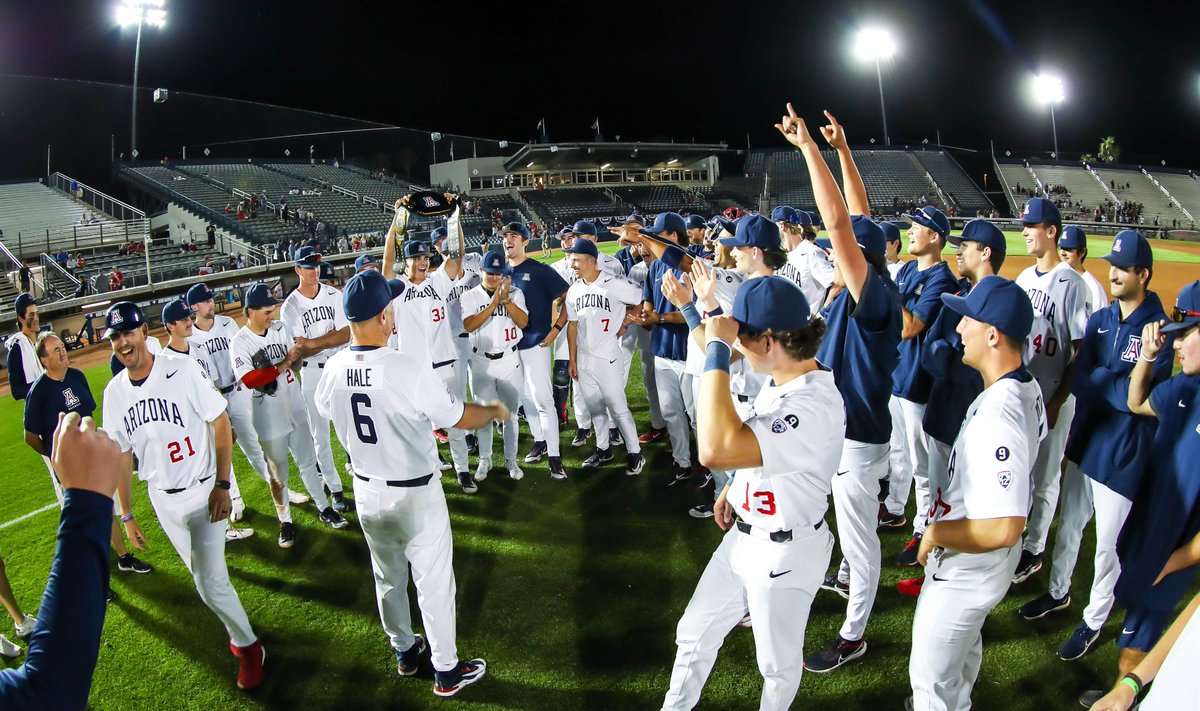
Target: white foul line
x=31 y=514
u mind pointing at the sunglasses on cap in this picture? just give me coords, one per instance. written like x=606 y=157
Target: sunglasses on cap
x=1178 y=314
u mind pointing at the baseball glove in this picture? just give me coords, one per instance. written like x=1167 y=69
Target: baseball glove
x=260 y=361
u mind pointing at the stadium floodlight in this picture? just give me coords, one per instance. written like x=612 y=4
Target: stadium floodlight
x=140 y=13
x=606 y=166
x=1050 y=89
x=875 y=44
x=673 y=161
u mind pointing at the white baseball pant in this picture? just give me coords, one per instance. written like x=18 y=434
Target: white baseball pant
x=908 y=459
x=641 y=340
x=200 y=543
x=411 y=526
x=856 y=507
x=673 y=397
x=1047 y=473
x=939 y=470
x=58 y=490
x=310 y=376
x=238 y=404
x=501 y=380
x=744 y=574
x=583 y=413
x=1081 y=495
x=454 y=377
x=600 y=385
x=539 y=397
x=300 y=443
x=947 y=644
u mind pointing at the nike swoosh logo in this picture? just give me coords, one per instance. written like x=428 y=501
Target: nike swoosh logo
x=841 y=473
x=173 y=372
x=1104 y=330
x=1125 y=631
x=776 y=575
x=1181 y=404
x=937 y=579
x=1063 y=280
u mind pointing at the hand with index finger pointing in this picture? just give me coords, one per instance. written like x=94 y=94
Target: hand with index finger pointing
x=834 y=134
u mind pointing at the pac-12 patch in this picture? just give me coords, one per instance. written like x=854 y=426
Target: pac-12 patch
x=1004 y=477
x=1002 y=455
x=779 y=426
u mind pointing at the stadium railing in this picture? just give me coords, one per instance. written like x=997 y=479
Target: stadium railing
x=105 y=203
x=75 y=237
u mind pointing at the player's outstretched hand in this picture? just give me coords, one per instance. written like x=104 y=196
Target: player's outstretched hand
x=133 y=532
x=793 y=129
x=84 y=456
x=677 y=291
x=501 y=409
x=704 y=285
x=219 y=504
x=927 y=546
x=1152 y=339
x=1119 y=699
x=834 y=134
x=723 y=327
x=722 y=511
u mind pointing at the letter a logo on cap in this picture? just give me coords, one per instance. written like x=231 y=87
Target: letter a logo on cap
x=429 y=202
x=116 y=318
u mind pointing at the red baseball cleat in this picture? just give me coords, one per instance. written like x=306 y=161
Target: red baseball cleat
x=910 y=587
x=250 y=674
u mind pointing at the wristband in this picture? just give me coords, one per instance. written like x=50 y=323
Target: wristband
x=126 y=518
x=715 y=312
x=222 y=484
x=1144 y=359
x=556 y=327
x=718 y=357
x=1128 y=680
x=691 y=316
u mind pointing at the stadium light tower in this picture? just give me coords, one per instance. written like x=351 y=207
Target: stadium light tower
x=876 y=45
x=140 y=13
x=1049 y=89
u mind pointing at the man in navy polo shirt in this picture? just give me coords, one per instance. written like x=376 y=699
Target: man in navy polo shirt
x=922 y=282
x=542 y=286
x=636 y=261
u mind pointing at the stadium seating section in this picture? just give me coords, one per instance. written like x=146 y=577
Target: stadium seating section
x=955 y=183
x=573 y=203
x=29 y=209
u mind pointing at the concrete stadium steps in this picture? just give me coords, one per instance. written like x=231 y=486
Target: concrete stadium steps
x=954 y=181
x=1185 y=188
x=32 y=208
x=1082 y=185
x=1142 y=190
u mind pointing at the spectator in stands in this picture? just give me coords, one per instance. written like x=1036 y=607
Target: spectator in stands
x=71 y=264
x=61 y=258
x=80 y=261
x=116 y=280
x=207 y=268
x=342 y=245
x=211 y=233
x=26 y=276
x=228 y=208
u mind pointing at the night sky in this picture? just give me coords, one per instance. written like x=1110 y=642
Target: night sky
x=653 y=70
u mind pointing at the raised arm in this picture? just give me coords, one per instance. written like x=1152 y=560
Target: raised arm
x=856 y=190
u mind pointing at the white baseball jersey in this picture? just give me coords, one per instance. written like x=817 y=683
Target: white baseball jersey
x=469 y=279
x=215 y=343
x=1060 y=316
x=809 y=268
x=1097 y=294
x=315 y=317
x=29 y=360
x=383 y=405
x=989 y=474
x=599 y=310
x=800 y=427
x=272 y=418
x=193 y=353
x=165 y=421
x=638 y=272
x=422 y=328
x=605 y=262
x=499 y=332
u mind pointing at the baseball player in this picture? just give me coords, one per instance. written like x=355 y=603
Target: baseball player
x=365 y=261
x=810 y=264
x=921 y=282
x=383 y=406
x=541 y=287
x=495 y=315
x=891 y=255
x=1061 y=308
x=864 y=326
x=23 y=623
x=784 y=456
x=264 y=353
x=152 y=344
x=637 y=263
x=166 y=413
x=313 y=313
x=596 y=306
x=23 y=364
x=970 y=547
x=469 y=279
x=1072 y=249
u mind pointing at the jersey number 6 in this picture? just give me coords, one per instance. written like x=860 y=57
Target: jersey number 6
x=363 y=425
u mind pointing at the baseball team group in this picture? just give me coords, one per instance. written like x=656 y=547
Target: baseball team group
x=780 y=368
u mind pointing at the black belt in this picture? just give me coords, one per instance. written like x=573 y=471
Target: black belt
x=494 y=356
x=176 y=491
x=743 y=398
x=442 y=364
x=226 y=391
x=305 y=364
x=402 y=483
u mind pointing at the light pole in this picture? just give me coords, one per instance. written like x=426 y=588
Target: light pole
x=1049 y=89
x=139 y=12
x=876 y=45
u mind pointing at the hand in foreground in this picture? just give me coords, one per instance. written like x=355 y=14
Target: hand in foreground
x=84 y=456
x=722 y=511
x=677 y=291
x=834 y=134
x=723 y=327
x=793 y=129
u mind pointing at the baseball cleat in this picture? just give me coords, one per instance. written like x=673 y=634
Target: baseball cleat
x=472 y=445
x=237 y=534
x=287 y=534
x=652 y=435
x=26 y=628
x=483 y=469
x=409 y=661
x=1078 y=644
x=238 y=510
x=441 y=436
x=339 y=502
x=888 y=519
x=908 y=556
x=600 y=456
x=634 y=463
x=129 y=564
x=614 y=437
x=911 y=587
x=443 y=464
x=1043 y=605
x=451 y=682
x=832 y=584
x=701 y=511
x=746 y=622
x=581 y=436
x=1088 y=699
x=333 y=518
x=701 y=477
x=535 y=455
x=839 y=652
x=467 y=482
x=514 y=471
x=250 y=671
x=8 y=648
x=1030 y=563
x=556 y=469
x=675 y=474
x=295 y=498
x=110 y=595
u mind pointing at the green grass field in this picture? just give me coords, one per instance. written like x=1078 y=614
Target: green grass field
x=570 y=590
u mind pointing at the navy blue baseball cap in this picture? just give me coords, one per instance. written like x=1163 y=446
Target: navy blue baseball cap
x=868 y=234
x=417 y=248
x=199 y=293
x=1040 y=211
x=23 y=300
x=985 y=233
x=365 y=260
x=583 y=246
x=367 y=293
x=666 y=222
x=785 y=213
x=695 y=222
x=634 y=218
x=258 y=296
x=824 y=243
x=121 y=317
x=584 y=227
x=1072 y=238
x=997 y=302
x=754 y=231
x=493 y=263
x=516 y=228
x=770 y=302
x=933 y=218
x=815 y=218
x=1130 y=249
x=308 y=258
x=438 y=233
x=176 y=310
x=1187 y=309
x=891 y=231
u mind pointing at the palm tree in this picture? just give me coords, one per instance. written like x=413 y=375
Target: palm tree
x=1109 y=151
